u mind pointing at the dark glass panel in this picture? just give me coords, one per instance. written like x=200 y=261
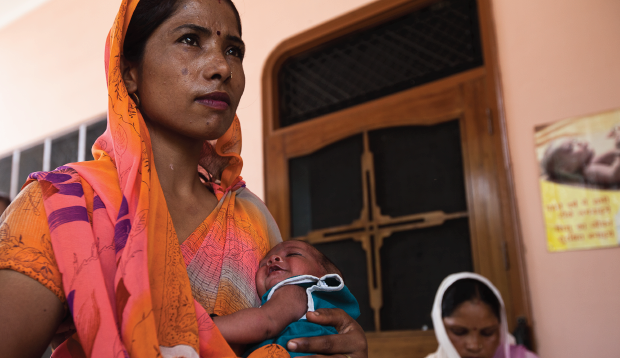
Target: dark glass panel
x=423 y=46
x=326 y=186
x=350 y=259
x=418 y=169
x=65 y=150
x=30 y=160
x=93 y=132
x=413 y=265
x=6 y=164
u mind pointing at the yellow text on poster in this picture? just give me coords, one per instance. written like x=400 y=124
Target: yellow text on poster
x=578 y=217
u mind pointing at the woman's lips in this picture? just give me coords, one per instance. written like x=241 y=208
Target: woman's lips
x=216 y=100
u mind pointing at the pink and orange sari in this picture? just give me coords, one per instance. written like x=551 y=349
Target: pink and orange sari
x=99 y=235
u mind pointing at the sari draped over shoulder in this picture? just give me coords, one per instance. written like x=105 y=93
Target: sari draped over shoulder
x=112 y=253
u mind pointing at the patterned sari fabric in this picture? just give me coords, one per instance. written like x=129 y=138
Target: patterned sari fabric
x=99 y=235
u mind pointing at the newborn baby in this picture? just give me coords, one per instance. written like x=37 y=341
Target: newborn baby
x=572 y=160
x=292 y=279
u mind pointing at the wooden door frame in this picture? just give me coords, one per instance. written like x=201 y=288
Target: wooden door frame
x=368 y=16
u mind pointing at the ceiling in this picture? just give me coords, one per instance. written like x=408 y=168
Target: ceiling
x=11 y=10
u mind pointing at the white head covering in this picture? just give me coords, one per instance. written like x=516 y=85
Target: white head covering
x=446 y=349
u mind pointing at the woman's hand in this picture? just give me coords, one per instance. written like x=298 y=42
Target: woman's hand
x=350 y=340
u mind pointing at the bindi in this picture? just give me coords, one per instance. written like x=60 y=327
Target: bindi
x=218 y=33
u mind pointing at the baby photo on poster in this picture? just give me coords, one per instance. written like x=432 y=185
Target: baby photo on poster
x=580 y=181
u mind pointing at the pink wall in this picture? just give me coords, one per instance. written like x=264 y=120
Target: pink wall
x=561 y=59
x=52 y=76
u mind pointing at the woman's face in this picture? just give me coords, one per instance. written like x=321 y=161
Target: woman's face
x=191 y=79
x=473 y=330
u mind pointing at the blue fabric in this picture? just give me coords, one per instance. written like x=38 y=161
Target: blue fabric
x=342 y=299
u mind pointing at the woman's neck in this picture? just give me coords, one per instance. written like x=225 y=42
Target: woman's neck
x=176 y=159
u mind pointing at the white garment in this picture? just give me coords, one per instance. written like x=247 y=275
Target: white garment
x=446 y=349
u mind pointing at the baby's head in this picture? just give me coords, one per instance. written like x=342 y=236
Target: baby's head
x=288 y=259
x=566 y=158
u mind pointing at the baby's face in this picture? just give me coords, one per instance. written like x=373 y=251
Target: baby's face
x=287 y=259
x=574 y=154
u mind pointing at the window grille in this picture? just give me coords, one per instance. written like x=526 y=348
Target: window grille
x=429 y=44
x=46 y=155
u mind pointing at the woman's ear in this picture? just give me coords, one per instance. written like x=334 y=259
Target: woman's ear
x=130 y=75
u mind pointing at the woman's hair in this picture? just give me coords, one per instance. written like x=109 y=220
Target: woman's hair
x=147 y=17
x=468 y=290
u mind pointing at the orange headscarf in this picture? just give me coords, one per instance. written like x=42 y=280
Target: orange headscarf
x=132 y=290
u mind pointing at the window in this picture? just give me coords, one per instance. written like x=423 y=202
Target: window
x=48 y=155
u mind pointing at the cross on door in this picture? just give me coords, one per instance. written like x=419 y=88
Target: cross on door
x=372 y=228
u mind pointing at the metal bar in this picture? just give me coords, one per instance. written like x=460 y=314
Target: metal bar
x=14 y=175
x=47 y=154
x=82 y=144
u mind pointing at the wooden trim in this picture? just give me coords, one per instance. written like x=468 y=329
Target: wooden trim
x=514 y=241
x=353 y=21
x=401 y=344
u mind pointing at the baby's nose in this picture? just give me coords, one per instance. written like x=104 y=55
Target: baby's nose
x=274 y=258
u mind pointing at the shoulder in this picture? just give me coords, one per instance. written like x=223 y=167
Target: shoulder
x=521 y=351
x=25 y=243
x=257 y=209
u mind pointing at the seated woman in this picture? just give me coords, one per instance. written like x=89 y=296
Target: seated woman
x=470 y=320
x=129 y=255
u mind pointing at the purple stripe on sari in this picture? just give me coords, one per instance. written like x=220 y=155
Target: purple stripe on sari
x=70 y=298
x=98 y=203
x=124 y=210
x=56 y=178
x=121 y=232
x=74 y=189
x=66 y=215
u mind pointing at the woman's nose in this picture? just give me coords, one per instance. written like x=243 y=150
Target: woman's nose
x=473 y=344
x=216 y=66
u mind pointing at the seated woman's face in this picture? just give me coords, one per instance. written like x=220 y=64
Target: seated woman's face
x=191 y=79
x=473 y=330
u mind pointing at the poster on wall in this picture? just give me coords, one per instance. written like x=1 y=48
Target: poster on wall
x=580 y=181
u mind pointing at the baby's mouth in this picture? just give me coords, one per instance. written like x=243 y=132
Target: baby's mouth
x=274 y=268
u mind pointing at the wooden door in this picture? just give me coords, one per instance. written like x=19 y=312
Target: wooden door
x=399 y=191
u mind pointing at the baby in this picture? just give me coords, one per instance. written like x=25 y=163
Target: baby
x=572 y=160
x=292 y=279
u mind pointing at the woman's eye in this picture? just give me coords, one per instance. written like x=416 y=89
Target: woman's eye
x=235 y=51
x=459 y=331
x=487 y=332
x=189 y=40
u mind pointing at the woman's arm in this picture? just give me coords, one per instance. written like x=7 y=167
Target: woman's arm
x=29 y=315
x=350 y=339
x=253 y=325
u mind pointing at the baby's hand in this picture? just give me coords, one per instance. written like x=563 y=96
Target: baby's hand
x=615 y=134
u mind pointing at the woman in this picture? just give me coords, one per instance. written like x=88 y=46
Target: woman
x=135 y=250
x=470 y=320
